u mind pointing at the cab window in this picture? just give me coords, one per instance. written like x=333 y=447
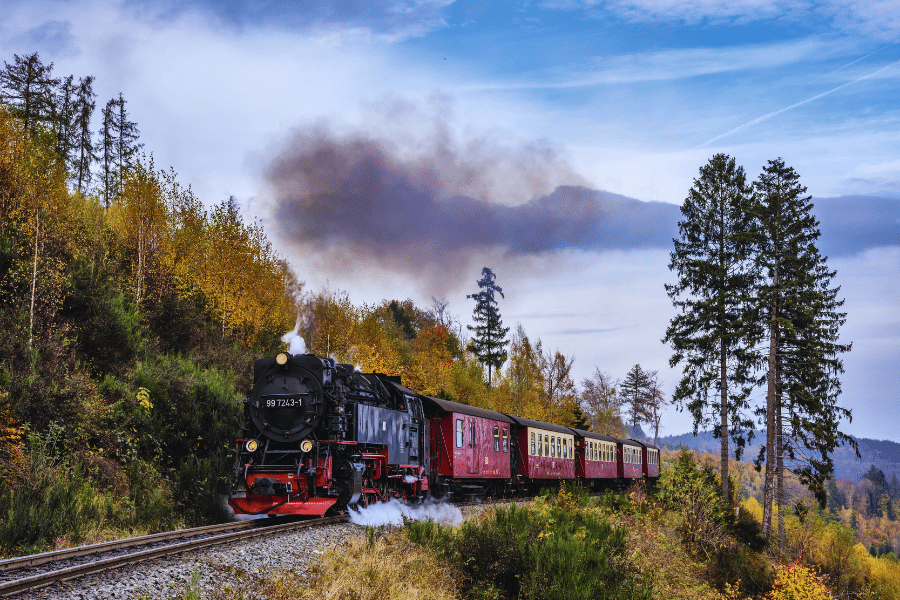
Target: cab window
x=459 y=433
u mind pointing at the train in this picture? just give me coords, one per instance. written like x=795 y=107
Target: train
x=320 y=437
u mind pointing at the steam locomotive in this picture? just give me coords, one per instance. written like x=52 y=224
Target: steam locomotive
x=320 y=437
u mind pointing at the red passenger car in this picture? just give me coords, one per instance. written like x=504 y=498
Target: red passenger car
x=546 y=451
x=596 y=457
x=650 y=456
x=470 y=447
x=631 y=459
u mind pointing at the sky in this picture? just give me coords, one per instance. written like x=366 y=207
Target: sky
x=392 y=149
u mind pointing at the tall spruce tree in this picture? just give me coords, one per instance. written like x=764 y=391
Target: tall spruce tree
x=126 y=139
x=711 y=336
x=28 y=87
x=65 y=121
x=801 y=312
x=85 y=153
x=635 y=392
x=118 y=147
x=107 y=144
x=489 y=343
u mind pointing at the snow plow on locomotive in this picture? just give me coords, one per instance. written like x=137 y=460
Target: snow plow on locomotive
x=320 y=437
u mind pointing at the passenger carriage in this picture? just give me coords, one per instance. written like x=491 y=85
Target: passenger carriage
x=596 y=459
x=631 y=464
x=650 y=460
x=470 y=448
x=545 y=451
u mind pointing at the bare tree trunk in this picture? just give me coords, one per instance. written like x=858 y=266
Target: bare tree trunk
x=37 y=235
x=771 y=426
x=723 y=414
x=779 y=468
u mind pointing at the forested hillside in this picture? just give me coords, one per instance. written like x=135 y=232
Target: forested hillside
x=131 y=312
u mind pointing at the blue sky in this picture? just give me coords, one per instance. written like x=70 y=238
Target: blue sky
x=483 y=109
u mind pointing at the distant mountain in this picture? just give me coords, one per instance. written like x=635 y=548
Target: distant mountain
x=884 y=454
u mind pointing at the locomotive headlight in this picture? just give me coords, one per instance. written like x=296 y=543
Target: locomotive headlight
x=281 y=358
x=306 y=445
x=252 y=445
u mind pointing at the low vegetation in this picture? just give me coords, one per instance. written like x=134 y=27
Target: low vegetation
x=676 y=541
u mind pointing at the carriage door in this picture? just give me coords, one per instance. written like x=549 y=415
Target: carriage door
x=473 y=458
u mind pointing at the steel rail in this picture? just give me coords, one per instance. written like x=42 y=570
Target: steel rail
x=34 y=560
x=45 y=579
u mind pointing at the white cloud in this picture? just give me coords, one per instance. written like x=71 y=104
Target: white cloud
x=667 y=65
x=874 y=18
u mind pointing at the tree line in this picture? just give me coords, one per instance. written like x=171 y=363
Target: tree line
x=66 y=107
x=756 y=308
x=130 y=315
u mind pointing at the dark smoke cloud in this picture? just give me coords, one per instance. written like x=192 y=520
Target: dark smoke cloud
x=365 y=199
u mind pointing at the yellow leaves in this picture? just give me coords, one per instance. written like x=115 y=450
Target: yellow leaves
x=12 y=432
x=797 y=582
x=143 y=398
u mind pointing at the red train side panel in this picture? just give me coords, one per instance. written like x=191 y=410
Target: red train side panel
x=468 y=442
x=546 y=451
x=596 y=456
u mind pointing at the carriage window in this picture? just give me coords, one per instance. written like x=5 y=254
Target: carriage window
x=505 y=439
x=553 y=447
x=558 y=448
x=532 y=443
x=496 y=439
x=540 y=445
x=565 y=448
x=471 y=434
x=459 y=433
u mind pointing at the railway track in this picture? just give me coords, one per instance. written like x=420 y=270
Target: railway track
x=22 y=574
x=17 y=574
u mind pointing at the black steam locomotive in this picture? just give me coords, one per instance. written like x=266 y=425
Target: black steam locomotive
x=320 y=437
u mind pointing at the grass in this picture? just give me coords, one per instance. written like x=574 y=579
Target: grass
x=376 y=566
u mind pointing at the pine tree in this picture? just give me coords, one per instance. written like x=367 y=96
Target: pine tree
x=801 y=313
x=85 y=153
x=65 y=121
x=126 y=139
x=27 y=86
x=107 y=144
x=635 y=391
x=489 y=343
x=118 y=147
x=711 y=335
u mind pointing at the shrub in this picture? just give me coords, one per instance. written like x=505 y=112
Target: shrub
x=797 y=582
x=47 y=499
x=545 y=552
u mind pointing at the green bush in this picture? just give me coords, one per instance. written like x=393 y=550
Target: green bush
x=187 y=423
x=546 y=552
x=706 y=525
x=48 y=499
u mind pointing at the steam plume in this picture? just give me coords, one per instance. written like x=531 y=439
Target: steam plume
x=368 y=201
